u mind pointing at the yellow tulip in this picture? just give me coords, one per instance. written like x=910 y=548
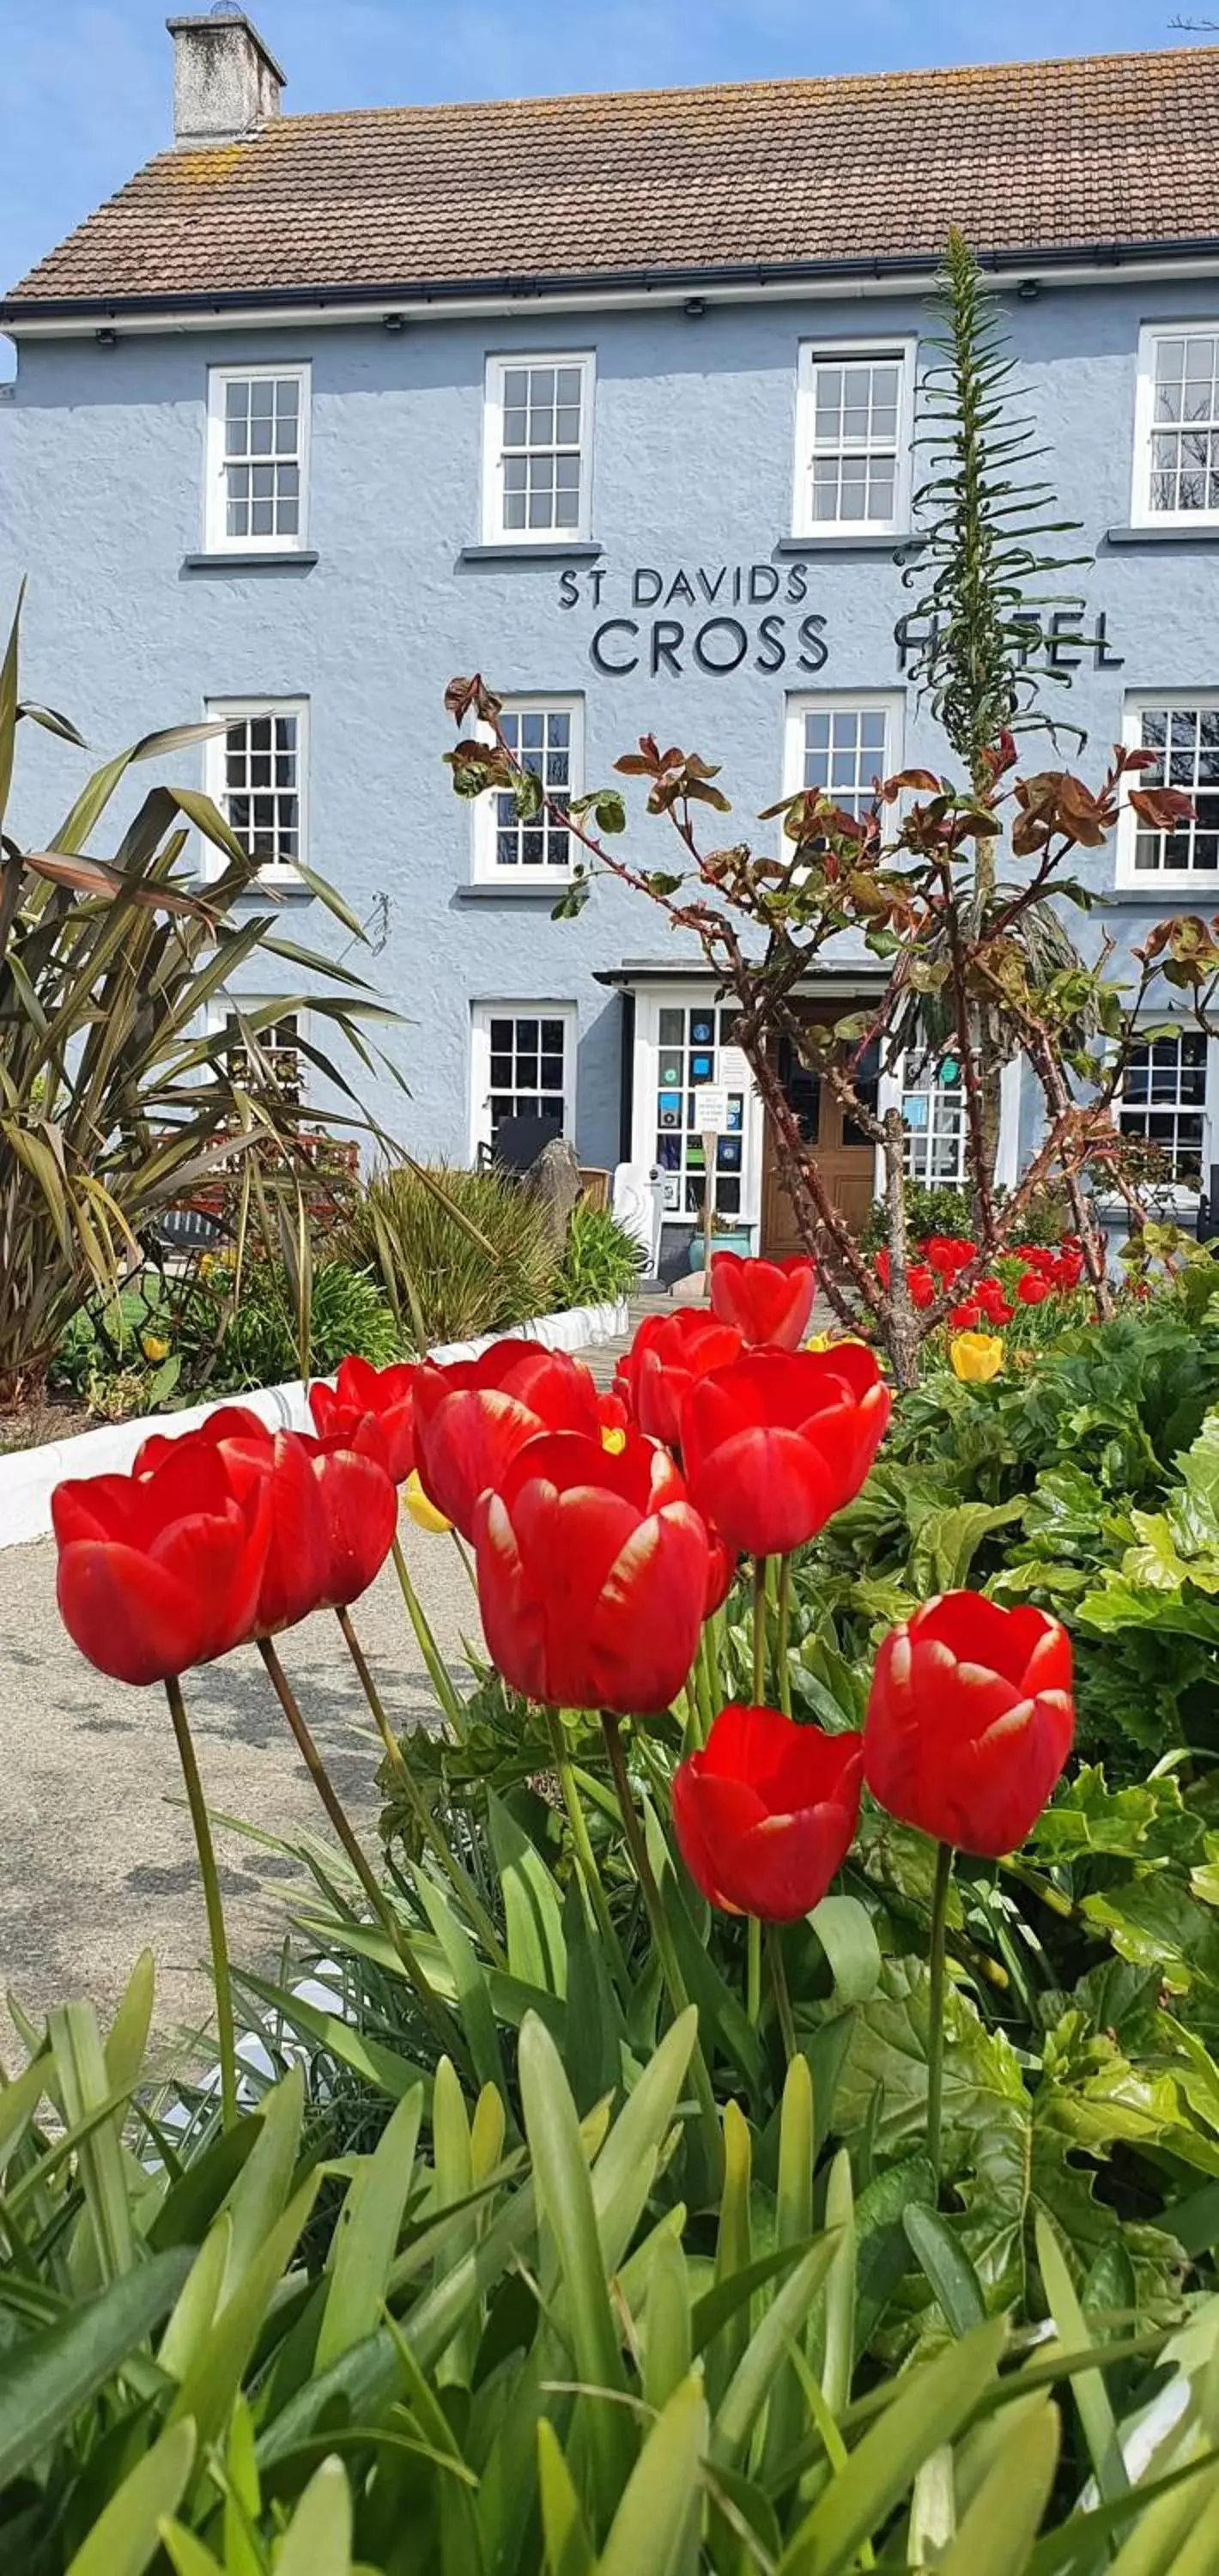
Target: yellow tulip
x=976 y=1357
x=153 y=1347
x=424 y=1514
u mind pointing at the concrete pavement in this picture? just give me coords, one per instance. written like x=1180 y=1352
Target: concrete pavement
x=98 y=1854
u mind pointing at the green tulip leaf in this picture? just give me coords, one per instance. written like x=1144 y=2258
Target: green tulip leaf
x=126 y=2536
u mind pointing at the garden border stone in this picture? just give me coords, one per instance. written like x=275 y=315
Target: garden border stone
x=29 y=1476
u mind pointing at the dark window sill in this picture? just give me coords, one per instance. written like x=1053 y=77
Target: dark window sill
x=275 y=559
x=1173 y=898
x=509 y=893
x=856 y=545
x=1206 y=534
x=554 y=550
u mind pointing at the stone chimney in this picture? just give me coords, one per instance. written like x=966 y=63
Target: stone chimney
x=225 y=81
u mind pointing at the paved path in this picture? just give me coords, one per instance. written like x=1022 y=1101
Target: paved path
x=98 y=1855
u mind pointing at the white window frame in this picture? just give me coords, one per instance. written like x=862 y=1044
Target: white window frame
x=228 y=711
x=268 y=1008
x=1148 y=881
x=484 y=823
x=1181 y=1194
x=1141 y=513
x=892 y=1093
x=812 y=354
x=216 y=538
x=481 y=1016
x=891 y=703
x=494 y=529
x=650 y=1001
x=921 y=1078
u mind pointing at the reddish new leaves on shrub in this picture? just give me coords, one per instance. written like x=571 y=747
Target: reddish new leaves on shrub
x=471 y=1417
x=592 y=1574
x=372 y=1410
x=666 y=1356
x=768 y=1301
x=160 y=1572
x=970 y=1720
x=776 y=1444
x=764 y=1814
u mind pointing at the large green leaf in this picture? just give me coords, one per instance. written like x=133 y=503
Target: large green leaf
x=565 y=2193
x=46 y=2378
x=927 y=2410
x=127 y=2534
x=532 y=1906
x=649 y=2530
x=1002 y=2522
x=318 y=2538
x=366 y=2237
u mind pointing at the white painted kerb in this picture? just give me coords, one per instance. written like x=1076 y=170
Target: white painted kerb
x=29 y=1476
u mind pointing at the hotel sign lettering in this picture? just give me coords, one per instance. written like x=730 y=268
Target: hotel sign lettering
x=721 y=618
x=714 y=618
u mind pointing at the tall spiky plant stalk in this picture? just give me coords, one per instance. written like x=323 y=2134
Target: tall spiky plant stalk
x=982 y=528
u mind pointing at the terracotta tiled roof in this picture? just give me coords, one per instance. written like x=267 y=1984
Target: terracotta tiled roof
x=1111 y=150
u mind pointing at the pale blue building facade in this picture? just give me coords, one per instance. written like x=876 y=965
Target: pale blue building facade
x=669 y=508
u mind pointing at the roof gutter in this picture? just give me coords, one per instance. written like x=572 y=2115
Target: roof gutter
x=737 y=281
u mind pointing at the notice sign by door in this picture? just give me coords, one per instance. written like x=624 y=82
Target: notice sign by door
x=734 y=1068
x=711 y=1117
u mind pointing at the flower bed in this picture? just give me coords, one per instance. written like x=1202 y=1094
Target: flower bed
x=759 y=2076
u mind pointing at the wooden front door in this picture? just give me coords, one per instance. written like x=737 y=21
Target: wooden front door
x=846 y=1160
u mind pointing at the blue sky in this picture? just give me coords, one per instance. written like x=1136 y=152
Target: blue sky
x=85 y=84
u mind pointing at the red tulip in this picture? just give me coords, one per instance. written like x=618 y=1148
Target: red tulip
x=922 y=1284
x=965 y=1318
x=592 y=1574
x=947 y=1253
x=764 y=1815
x=721 y=1571
x=969 y=1721
x=372 y=1409
x=160 y=1572
x=472 y=1416
x=333 y=1511
x=667 y=1355
x=994 y=1305
x=1032 y=1288
x=768 y=1301
x=777 y=1443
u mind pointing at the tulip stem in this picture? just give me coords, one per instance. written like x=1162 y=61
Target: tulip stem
x=678 y=1998
x=586 y=1857
x=466 y=1558
x=466 y=1893
x=206 y=1849
x=702 y=1709
x=935 y=2042
x=759 y=1632
x=443 y=2031
x=712 y=1635
x=753 y=1969
x=437 y=1671
x=785 y=1612
x=783 y=2001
